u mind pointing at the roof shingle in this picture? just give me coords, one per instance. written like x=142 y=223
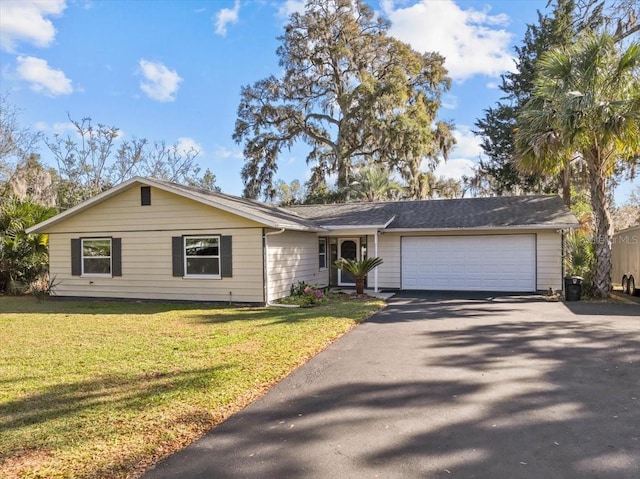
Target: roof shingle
x=544 y=211
x=498 y=212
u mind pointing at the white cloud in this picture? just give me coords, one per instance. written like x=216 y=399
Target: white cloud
x=467 y=143
x=289 y=7
x=472 y=41
x=58 y=128
x=227 y=16
x=25 y=21
x=42 y=77
x=222 y=152
x=187 y=145
x=449 y=101
x=455 y=168
x=158 y=82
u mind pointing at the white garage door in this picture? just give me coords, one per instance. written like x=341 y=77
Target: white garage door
x=469 y=263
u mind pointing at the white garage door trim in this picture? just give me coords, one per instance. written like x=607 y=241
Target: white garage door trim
x=469 y=263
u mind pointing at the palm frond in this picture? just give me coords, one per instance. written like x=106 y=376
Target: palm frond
x=358 y=269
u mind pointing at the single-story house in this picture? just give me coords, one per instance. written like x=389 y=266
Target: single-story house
x=152 y=239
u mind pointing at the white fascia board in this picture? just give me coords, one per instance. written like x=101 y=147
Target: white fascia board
x=300 y=228
x=390 y=221
x=488 y=228
x=352 y=227
x=365 y=228
x=352 y=231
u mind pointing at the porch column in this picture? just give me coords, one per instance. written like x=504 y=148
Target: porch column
x=375 y=252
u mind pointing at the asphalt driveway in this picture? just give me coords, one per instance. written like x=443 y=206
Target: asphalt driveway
x=438 y=386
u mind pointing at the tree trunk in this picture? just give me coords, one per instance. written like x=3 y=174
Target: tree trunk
x=343 y=177
x=359 y=285
x=602 y=228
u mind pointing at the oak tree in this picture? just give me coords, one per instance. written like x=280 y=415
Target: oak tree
x=348 y=91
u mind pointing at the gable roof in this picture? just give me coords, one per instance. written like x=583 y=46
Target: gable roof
x=270 y=216
x=537 y=211
x=265 y=213
x=540 y=211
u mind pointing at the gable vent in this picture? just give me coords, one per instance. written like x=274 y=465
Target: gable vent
x=145 y=195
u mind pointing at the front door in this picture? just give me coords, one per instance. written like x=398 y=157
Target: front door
x=347 y=248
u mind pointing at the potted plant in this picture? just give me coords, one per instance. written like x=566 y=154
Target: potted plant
x=358 y=269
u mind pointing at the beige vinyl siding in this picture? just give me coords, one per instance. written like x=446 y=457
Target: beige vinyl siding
x=146 y=233
x=292 y=257
x=166 y=212
x=371 y=252
x=548 y=256
x=549 y=260
x=389 y=270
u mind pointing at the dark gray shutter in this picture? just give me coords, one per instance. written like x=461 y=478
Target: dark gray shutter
x=177 y=251
x=116 y=256
x=76 y=256
x=226 y=257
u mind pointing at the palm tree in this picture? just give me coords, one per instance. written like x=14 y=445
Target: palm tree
x=373 y=183
x=23 y=257
x=448 y=188
x=358 y=269
x=586 y=100
x=431 y=186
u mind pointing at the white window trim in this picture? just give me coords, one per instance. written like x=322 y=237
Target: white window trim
x=219 y=257
x=82 y=257
x=325 y=267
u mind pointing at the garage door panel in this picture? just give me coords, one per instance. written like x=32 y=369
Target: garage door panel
x=488 y=262
x=456 y=271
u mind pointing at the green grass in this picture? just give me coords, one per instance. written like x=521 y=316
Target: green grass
x=104 y=389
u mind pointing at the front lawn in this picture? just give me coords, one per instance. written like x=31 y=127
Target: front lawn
x=104 y=389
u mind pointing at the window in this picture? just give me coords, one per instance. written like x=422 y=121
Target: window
x=322 y=253
x=96 y=256
x=202 y=256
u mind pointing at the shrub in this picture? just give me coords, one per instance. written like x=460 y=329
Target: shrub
x=579 y=259
x=23 y=257
x=305 y=294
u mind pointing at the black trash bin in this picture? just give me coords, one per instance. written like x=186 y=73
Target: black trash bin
x=572 y=288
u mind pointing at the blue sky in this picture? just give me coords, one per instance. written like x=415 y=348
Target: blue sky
x=172 y=70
